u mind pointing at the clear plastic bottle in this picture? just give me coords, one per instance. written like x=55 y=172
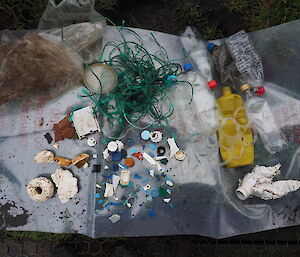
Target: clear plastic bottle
x=262 y=120
x=237 y=62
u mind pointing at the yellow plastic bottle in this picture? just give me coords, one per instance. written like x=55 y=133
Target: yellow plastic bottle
x=235 y=135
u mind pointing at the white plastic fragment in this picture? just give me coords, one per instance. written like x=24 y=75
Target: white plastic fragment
x=120 y=145
x=95 y=156
x=98 y=186
x=148 y=158
x=159 y=158
x=91 y=141
x=109 y=190
x=115 y=181
x=112 y=146
x=56 y=145
x=151 y=173
x=156 y=136
x=167 y=200
x=125 y=177
x=106 y=155
x=169 y=191
x=86 y=165
x=259 y=183
x=169 y=183
x=114 y=218
x=44 y=157
x=106 y=167
x=66 y=184
x=146 y=187
x=85 y=122
x=159 y=166
x=173 y=146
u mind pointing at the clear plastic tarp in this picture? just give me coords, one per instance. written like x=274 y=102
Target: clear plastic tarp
x=203 y=195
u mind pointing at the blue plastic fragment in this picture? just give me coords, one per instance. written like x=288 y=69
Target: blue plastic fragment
x=130 y=184
x=97 y=195
x=115 y=167
x=106 y=203
x=143 y=147
x=171 y=205
x=116 y=156
x=154 y=192
x=100 y=201
x=151 y=154
x=133 y=150
x=149 y=198
x=115 y=203
x=210 y=46
x=151 y=212
x=145 y=181
x=168 y=178
x=136 y=176
x=141 y=205
x=188 y=67
x=104 y=176
x=172 y=78
x=123 y=166
x=152 y=147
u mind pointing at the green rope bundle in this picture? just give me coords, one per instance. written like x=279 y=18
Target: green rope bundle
x=141 y=91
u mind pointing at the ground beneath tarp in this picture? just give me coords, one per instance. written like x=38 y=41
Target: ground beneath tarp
x=281 y=243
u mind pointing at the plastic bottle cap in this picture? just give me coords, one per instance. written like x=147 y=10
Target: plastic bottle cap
x=129 y=162
x=145 y=135
x=91 y=141
x=210 y=47
x=116 y=156
x=180 y=155
x=112 y=146
x=188 y=67
x=245 y=87
x=212 y=84
x=260 y=90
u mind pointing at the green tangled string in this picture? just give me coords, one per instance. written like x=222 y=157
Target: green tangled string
x=142 y=88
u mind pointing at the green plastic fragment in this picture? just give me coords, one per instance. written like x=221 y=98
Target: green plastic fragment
x=164 y=161
x=162 y=192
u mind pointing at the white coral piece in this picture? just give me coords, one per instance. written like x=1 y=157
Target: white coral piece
x=66 y=184
x=44 y=157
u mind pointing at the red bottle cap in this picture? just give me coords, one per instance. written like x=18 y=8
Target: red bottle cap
x=260 y=90
x=212 y=84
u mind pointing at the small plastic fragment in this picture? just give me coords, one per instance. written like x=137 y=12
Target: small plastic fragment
x=106 y=155
x=106 y=167
x=138 y=155
x=41 y=122
x=188 y=67
x=116 y=204
x=154 y=192
x=151 y=154
x=145 y=135
x=164 y=161
x=96 y=168
x=149 y=198
x=91 y=141
x=169 y=191
x=161 y=150
x=97 y=195
x=124 y=153
x=133 y=151
x=151 y=173
x=98 y=186
x=156 y=136
x=85 y=122
x=146 y=187
x=120 y=145
x=173 y=146
x=129 y=162
x=86 y=165
x=114 y=218
x=109 y=190
x=115 y=181
x=169 y=183
x=112 y=146
x=162 y=192
x=107 y=202
x=63 y=162
x=171 y=205
x=122 y=166
x=149 y=159
x=166 y=200
x=180 y=155
x=56 y=145
x=100 y=201
x=152 y=147
x=48 y=138
x=115 y=167
x=44 y=157
x=95 y=156
x=67 y=212
x=151 y=212
x=116 y=156
x=125 y=177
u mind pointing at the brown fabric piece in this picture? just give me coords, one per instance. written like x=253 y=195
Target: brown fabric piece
x=63 y=129
x=35 y=66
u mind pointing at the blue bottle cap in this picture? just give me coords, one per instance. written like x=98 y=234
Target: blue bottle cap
x=210 y=46
x=188 y=67
x=145 y=135
x=116 y=156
